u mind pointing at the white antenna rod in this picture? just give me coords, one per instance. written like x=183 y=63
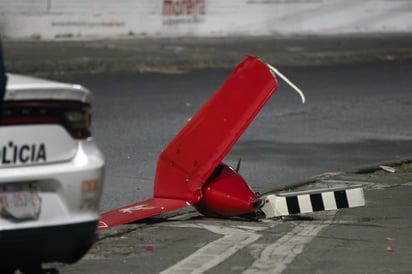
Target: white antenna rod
x=284 y=78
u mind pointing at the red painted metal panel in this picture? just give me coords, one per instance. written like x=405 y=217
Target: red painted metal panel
x=188 y=161
x=138 y=211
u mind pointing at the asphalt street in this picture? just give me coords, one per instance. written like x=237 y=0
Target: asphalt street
x=354 y=116
x=357 y=115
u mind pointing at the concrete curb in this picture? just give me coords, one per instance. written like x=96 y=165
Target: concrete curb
x=358 y=170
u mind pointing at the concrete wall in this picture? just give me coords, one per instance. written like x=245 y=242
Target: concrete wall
x=71 y=19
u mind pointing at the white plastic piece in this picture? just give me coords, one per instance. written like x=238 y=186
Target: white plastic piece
x=274 y=207
x=388 y=169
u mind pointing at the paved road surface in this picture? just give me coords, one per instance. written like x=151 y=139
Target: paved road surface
x=355 y=115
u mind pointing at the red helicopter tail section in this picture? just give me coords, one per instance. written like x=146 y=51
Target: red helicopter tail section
x=191 y=157
x=189 y=160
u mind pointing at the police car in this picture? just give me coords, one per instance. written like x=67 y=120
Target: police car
x=51 y=173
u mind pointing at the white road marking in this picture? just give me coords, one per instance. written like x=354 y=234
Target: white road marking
x=278 y=255
x=218 y=251
x=273 y=258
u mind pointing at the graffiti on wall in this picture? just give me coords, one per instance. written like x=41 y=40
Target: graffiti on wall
x=183 y=11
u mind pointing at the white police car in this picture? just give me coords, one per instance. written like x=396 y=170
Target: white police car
x=51 y=173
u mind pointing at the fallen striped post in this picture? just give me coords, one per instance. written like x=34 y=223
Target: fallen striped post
x=290 y=203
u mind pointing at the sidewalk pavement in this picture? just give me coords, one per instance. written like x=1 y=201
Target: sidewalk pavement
x=376 y=238
x=179 y=55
